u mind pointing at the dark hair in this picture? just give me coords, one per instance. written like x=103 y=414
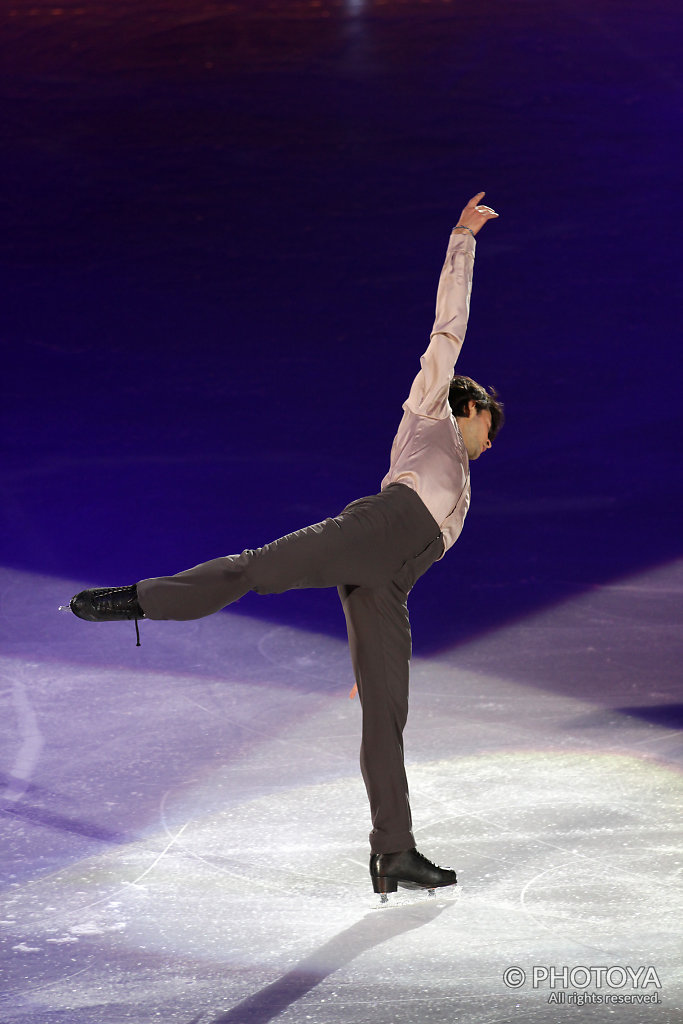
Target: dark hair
x=464 y=390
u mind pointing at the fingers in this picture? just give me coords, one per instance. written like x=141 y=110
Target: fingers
x=485 y=211
x=474 y=216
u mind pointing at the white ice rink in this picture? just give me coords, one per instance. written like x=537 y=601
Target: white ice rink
x=184 y=825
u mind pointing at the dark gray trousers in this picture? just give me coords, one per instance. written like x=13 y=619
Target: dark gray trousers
x=373 y=552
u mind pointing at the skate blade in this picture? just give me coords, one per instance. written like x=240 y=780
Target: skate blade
x=410 y=897
x=65 y=608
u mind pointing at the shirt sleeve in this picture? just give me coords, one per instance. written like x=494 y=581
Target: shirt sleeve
x=429 y=392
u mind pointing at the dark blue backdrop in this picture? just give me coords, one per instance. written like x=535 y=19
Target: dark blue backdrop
x=224 y=225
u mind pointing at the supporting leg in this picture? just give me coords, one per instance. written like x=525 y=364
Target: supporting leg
x=380 y=643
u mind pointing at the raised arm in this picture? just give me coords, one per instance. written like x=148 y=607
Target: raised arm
x=429 y=393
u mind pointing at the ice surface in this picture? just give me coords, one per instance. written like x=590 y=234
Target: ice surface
x=186 y=844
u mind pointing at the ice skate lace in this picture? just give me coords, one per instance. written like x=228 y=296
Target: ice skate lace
x=117 y=590
x=426 y=861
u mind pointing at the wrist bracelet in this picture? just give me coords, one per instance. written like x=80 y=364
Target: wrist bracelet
x=465 y=227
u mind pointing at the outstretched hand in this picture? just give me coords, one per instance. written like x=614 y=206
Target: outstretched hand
x=475 y=216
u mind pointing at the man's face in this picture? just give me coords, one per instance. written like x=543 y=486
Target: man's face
x=475 y=430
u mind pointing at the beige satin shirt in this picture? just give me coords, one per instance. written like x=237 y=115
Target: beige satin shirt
x=428 y=452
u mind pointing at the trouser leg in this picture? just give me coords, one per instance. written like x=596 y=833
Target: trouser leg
x=367 y=543
x=317 y=556
x=195 y=592
x=380 y=644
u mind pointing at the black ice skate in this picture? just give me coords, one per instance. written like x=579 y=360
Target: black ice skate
x=108 y=604
x=410 y=870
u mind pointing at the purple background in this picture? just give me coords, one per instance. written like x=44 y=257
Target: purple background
x=224 y=226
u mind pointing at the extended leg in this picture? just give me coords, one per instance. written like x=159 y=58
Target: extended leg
x=317 y=556
x=367 y=542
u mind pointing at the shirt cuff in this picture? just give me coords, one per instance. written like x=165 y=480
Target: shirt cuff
x=461 y=241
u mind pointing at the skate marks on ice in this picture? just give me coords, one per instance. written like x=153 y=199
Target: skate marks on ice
x=252 y=891
x=196 y=893
x=590 y=841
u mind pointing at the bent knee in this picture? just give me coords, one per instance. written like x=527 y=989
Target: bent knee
x=259 y=573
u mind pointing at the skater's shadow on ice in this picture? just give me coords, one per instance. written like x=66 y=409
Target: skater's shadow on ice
x=376 y=927
x=62 y=823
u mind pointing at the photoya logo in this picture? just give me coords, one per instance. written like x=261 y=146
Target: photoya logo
x=583 y=977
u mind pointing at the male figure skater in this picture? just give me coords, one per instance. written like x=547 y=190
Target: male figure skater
x=373 y=552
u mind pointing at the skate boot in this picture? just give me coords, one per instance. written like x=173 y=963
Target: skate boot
x=108 y=604
x=410 y=870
